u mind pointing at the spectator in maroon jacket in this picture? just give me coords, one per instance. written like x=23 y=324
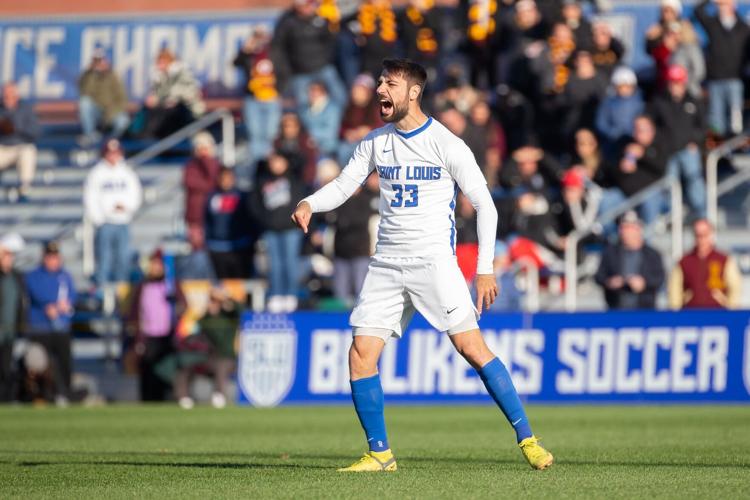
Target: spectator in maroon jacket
x=298 y=147
x=361 y=116
x=201 y=175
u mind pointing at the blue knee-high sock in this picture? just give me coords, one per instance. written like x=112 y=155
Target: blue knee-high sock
x=367 y=394
x=498 y=383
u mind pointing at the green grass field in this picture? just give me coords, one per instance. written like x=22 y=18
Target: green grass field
x=443 y=452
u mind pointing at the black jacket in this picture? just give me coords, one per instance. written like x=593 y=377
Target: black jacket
x=679 y=122
x=651 y=167
x=352 y=223
x=274 y=199
x=301 y=45
x=652 y=270
x=20 y=309
x=727 y=51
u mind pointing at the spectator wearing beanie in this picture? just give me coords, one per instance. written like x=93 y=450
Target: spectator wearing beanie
x=726 y=55
x=111 y=197
x=680 y=121
x=619 y=109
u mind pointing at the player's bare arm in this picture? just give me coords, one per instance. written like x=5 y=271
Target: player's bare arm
x=486 y=291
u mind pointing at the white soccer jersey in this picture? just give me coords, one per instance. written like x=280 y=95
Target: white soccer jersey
x=420 y=173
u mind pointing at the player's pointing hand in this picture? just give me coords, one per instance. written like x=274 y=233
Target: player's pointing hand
x=302 y=215
x=486 y=291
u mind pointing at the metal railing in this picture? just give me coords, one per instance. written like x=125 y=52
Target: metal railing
x=571 y=248
x=527 y=266
x=227 y=153
x=712 y=173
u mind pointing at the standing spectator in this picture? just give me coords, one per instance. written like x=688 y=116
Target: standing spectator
x=705 y=278
x=583 y=93
x=111 y=197
x=689 y=55
x=219 y=327
x=351 y=242
x=376 y=34
x=607 y=51
x=490 y=136
x=322 y=119
x=643 y=161
x=103 y=101
x=200 y=179
x=19 y=130
x=580 y=202
x=52 y=295
x=302 y=49
x=174 y=99
x=619 y=109
x=228 y=229
x=572 y=15
x=420 y=33
x=679 y=120
x=262 y=106
x=361 y=116
x=298 y=147
x=155 y=305
x=482 y=19
x=727 y=54
x=13 y=304
x=670 y=14
x=631 y=272
x=273 y=201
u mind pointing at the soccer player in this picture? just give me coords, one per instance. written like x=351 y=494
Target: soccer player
x=421 y=166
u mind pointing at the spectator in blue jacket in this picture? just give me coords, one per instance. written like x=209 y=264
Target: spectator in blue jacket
x=228 y=230
x=322 y=119
x=52 y=295
x=618 y=111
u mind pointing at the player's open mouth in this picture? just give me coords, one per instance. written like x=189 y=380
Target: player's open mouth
x=386 y=107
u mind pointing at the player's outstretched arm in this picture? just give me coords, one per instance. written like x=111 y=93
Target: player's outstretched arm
x=302 y=215
x=486 y=231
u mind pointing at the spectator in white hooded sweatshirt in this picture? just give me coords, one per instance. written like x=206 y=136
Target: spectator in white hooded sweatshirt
x=111 y=197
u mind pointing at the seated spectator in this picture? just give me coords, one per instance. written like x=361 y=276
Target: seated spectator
x=630 y=272
x=261 y=110
x=705 y=278
x=352 y=241
x=583 y=93
x=530 y=168
x=13 y=304
x=218 y=327
x=361 y=116
x=680 y=121
x=726 y=56
x=298 y=147
x=156 y=303
x=607 y=51
x=322 y=119
x=111 y=197
x=580 y=202
x=230 y=234
x=174 y=99
x=643 y=161
x=19 y=130
x=421 y=34
x=590 y=159
x=619 y=109
x=376 y=34
x=103 y=101
x=200 y=179
x=273 y=200
x=689 y=55
x=302 y=50
x=52 y=295
x=572 y=16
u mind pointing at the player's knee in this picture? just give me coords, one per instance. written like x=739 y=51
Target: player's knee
x=474 y=351
x=361 y=363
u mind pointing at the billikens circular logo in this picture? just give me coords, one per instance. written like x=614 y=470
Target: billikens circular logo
x=267 y=361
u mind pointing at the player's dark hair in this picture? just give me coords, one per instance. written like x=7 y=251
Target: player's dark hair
x=413 y=73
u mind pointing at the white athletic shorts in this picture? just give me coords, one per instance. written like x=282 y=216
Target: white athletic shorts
x=397 y=286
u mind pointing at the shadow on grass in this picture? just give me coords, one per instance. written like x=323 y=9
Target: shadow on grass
x=287 y=461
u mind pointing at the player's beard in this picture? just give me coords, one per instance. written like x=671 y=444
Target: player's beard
x=399 y=112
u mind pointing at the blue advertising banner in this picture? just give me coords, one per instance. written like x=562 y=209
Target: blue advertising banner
x=553 y=358
x=46 y=56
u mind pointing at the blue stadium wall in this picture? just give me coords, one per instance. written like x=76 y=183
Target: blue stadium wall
x=615 y=357
x=46 y=55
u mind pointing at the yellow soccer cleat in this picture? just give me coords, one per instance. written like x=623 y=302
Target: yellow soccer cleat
x=373 y=461
x=535 y=454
